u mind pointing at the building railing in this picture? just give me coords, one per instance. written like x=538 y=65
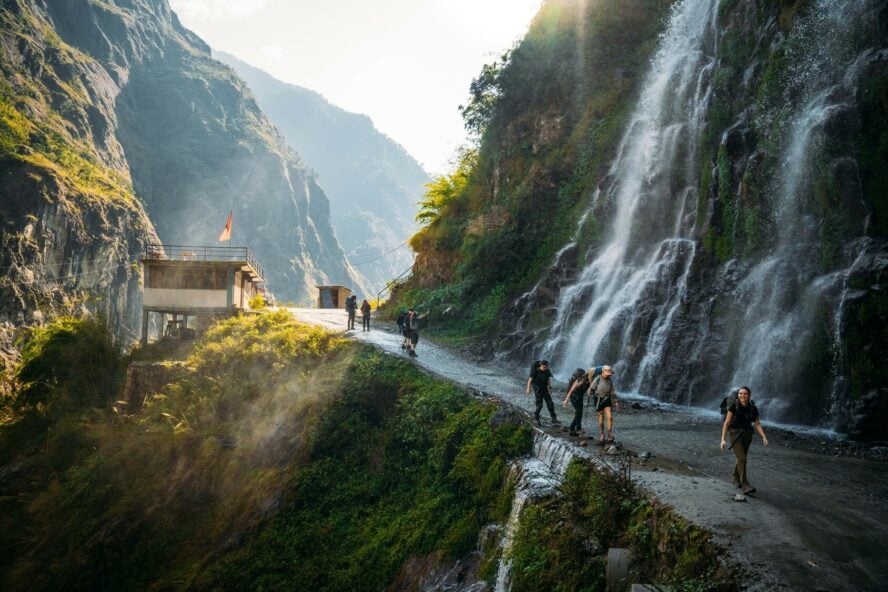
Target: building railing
x=203 y=253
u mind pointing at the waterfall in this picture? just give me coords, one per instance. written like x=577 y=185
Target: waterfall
x=536 y=476
x=631 y=303
x=645 y=263
x=786 y=294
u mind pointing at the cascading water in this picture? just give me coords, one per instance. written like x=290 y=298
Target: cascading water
x=648 y=256
x=537 y=476
x=786 y=293
x=625 y=305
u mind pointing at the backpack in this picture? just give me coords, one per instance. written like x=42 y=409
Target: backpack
x=728 y=402
x=593 y=372
x=579 y=375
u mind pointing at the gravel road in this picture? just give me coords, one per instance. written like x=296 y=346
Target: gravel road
x=817 y=522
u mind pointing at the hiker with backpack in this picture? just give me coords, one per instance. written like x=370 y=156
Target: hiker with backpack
x=365 y=315
x=540 y=378
x=604 y=398
x=402 y=327
x=576 y=392
x=741 y=419
x=413 y=322
x=351 y=306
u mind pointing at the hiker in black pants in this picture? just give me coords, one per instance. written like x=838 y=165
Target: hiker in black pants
x=540 y=376
x=742 y=419
x=351 y=304
x=576 y=392
x=412 y=322
x=365 y=315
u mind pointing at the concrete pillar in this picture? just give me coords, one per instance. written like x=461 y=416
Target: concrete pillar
x=617 y=570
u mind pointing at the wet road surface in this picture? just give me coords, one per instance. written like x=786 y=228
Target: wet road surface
x=817 y=522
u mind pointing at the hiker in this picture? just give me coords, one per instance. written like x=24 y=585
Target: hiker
x=540 y=377
x=365 y=315
x=402 y=327
x=412 y=322
x=742 y=418
x=604 y=398
x=351 y=303
x=576 y=392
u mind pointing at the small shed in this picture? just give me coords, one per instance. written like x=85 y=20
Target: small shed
x=333 y=296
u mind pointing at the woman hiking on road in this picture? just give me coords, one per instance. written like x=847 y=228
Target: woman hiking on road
x=604 y=398
x=742 y=418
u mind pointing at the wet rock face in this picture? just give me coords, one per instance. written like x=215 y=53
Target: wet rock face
x=782 y=288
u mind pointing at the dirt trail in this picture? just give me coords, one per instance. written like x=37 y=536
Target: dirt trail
x=816 y=523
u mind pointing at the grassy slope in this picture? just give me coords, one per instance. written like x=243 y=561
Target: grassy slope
x=350 y=460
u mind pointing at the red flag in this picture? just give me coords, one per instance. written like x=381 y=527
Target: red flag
x=226 y=233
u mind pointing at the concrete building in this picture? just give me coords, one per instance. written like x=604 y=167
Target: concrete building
x=199 y=282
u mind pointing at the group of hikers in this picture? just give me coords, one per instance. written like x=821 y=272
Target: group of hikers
x=351 y=307
x=596 y=385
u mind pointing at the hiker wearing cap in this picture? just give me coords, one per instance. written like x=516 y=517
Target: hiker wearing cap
x=579 y=383
x=604 y=398
x=741 y=420
x=412 y=323
x=540 y=377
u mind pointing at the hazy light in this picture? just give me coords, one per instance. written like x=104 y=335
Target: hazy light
x=405 y=63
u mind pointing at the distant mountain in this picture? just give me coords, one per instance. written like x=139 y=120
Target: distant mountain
x=373 y=183
x=109 y=111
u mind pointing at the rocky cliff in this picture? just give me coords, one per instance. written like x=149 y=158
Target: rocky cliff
x=72 y=227
x=114 y=113
x=372 y=182
x=698 y=199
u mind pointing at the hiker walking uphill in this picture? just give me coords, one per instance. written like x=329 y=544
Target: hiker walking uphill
x=604 y=398
x=576 y=393
x=741 y=419
x=412 y=323
x=365 y=315
x=351 y=305
x=540 y=378
x=402 y=328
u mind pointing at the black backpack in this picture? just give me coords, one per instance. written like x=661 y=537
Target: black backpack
x=579 y=375
x=728 y=402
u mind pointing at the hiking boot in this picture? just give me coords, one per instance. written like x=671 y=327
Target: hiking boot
x=403 y=346
x=747 y=489
x=601 y=438
x=555 y=421
x=537 y=422
x=573 y=433
x=412 y=354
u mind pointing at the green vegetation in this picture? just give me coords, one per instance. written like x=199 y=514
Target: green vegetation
x=44 y=115
x=562 y=542
x=547 y=118
x=282 y=457
x=69 y=364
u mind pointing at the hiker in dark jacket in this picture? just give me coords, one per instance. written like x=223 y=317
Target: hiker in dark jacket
x=351 y=305
x=402 y=328
x=540 y=378
x=604 y=399
x=413 y=322
x=365 y=315
x=741 y=420
x=576 y=392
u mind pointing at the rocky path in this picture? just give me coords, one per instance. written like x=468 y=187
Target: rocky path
x=817 y=522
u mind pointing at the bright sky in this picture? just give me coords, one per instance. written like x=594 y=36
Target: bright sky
x=405 y=63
